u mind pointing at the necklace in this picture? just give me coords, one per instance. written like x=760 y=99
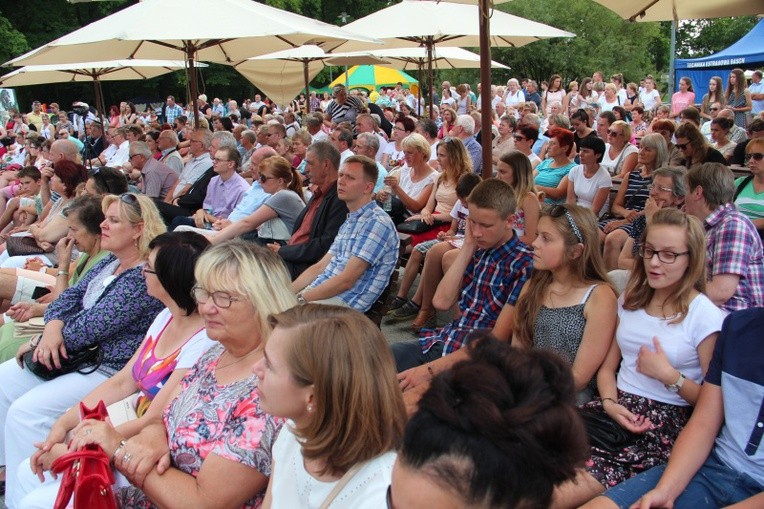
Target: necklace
x=259 y=349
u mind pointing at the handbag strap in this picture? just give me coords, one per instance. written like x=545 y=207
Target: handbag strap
x=344 y=480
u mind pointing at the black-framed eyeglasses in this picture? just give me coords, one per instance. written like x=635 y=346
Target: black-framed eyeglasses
x=682 y=146
x=756 y=156
x=664 y=256
x=562 y=210
x=130 y=157
x=517 y=137
x=389 y=496
x=263 y=178
x=713 y=109
x=132 y=200
x=222 y=300
x=656 y=187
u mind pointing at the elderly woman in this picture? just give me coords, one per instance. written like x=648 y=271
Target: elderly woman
x=694 y=147
x=393 y=155
x=505 y=141
x=108 y=309
x=52 y=227
x=412 y=184
x=631 y=197
x=299 y=381
x=620 y=155
x=19 y=286
x=218 y=437
x=173 y=344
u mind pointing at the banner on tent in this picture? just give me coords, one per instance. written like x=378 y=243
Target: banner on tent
x=716 y=63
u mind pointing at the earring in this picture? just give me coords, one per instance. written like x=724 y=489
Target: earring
x=310 y=408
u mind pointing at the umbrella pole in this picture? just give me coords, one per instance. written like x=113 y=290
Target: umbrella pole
x=485 y=80
x=307 y=85
x=97 y=95
x=194 y=85
x=419 y=90
x=431 y=93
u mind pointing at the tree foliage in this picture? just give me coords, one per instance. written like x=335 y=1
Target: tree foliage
x=702 y=37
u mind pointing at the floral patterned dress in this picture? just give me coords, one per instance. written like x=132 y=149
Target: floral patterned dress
x=209 y=418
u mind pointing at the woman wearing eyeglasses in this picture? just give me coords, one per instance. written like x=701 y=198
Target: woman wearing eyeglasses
x=216 y=432
x=274 y=219
x=173 y=344
x=109 y=308
x=663 y=345
x=749 y=194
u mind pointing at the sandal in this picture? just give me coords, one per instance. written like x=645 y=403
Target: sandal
x=424 y=320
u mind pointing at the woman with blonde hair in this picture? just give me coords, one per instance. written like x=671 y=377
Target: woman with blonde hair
x=620 y=154
x=568 y=301
x=454 y=162
x=329 y=371
x=663 y=345
x=219 y=436
x=515 y=169
x=737 y=96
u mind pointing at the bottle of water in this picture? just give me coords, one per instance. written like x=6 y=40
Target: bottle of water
x=207 y=224
x=387 y=204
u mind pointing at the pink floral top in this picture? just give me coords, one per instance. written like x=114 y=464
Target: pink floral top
x=209 y=418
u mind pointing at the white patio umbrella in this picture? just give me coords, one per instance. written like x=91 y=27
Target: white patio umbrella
x=667 y=10
x=113 y=70
x=281 y=75
x=427 y=23
x=187 y=29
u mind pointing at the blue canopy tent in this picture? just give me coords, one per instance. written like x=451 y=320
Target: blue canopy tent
x=747 y=53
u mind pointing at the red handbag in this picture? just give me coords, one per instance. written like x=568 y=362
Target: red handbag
x=87 y=474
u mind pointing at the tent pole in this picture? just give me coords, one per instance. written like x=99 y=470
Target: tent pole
x=672 y=62
x=307 y=84
x=431 y=93
x=485 y=81
x=194 y=84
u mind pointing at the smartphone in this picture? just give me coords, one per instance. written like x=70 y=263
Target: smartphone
x=39 y=292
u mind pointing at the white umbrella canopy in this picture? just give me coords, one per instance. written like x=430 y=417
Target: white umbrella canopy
x=667 y=10
x=191 y=35
x=443 y=57
x=113 y=70
x=283 y=74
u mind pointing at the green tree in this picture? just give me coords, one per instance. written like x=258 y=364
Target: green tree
x=14 y=42
x=701 y=37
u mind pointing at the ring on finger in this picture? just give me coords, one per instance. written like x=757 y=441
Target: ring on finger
x=88 y=431
x=127 y=457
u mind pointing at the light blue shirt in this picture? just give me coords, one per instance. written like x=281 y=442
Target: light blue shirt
x=250 y=202
x=757 y=88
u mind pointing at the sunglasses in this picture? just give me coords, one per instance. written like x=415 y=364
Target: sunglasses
x=610 y=132
x=756 y=156
x=682 y=146
x=131 y=200
x=263 y=178
x=517 y=137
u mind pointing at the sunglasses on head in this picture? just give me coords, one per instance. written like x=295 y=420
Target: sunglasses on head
x=562 y=210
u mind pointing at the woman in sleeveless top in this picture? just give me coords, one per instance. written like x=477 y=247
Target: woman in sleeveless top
x=568 y=303
x=738 y=97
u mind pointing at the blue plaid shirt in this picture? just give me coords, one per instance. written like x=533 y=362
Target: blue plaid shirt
x=493 y=279
x=368 y=234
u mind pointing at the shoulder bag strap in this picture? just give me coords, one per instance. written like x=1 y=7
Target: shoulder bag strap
x=341 y=484
x=742 y=185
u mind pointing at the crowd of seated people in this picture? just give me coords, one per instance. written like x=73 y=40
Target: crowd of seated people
x=220 y=268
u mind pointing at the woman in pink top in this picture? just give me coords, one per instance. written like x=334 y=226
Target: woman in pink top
x=684 y=98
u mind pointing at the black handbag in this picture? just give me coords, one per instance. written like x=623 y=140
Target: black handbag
x=418 y=226
x=83 y=361
x=604 y=433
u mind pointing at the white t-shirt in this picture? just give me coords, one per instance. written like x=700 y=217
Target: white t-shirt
x=414 y=189
x=614 y=166
x=395 y=156
x=293 y=486
x=511 y=99
x=649 y=99
x=586 y=188
x=680 y=341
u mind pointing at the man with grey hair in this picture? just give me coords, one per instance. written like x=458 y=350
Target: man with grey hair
x=342 y=139
x=199 y=145
x=367 y=144
x=532 y=93
x=317 y=226
x=168 y=144
x=734 y=258
x=464 y=129
x=366 y=123
x=313 y=123
x=248 y=141
x=737 y=134
x=343 y=107
x=156 y=178
x=119 y=158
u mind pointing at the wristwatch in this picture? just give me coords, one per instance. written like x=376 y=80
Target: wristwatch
x=300 y=299
x=676 y=386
